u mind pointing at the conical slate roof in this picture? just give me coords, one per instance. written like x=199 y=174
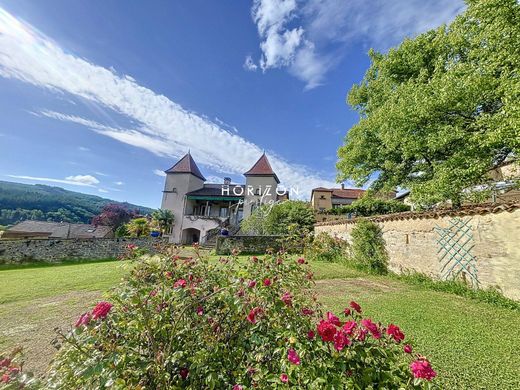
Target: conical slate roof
x=262 y=168
x=186 y=165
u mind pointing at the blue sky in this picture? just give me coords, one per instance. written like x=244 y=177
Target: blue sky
x=101 y=96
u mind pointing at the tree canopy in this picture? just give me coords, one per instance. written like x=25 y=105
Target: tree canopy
x=440 y=110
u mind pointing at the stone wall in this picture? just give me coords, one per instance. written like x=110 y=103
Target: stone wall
x=411 y=241
x=55 y=250
x=247 y=244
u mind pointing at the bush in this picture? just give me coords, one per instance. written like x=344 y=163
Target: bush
x=195 y=324
x=327 y=248
x=368 y=247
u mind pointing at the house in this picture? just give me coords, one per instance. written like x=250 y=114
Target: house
x=42 y=229
x=202 y=208
x=323 y=199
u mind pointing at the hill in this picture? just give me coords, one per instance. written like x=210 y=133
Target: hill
x=19 y=202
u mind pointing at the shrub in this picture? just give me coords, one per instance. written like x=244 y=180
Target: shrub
x=196 y=324
x=368 y=247
x=327 y=248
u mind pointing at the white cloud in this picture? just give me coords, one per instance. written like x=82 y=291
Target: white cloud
x=249 y=64
x=78 y=180
x=309 y=38
x=83 y=149
x=162 y=126
x=102 y=190
x=119 y=183
x=158 y=172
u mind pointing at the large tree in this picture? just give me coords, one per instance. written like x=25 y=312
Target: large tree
x=440 y=110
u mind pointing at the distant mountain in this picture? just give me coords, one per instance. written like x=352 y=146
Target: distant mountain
x=19 y=202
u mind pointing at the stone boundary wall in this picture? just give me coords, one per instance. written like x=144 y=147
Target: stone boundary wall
x=246 y=244
x=55 y=250
x=411 y=242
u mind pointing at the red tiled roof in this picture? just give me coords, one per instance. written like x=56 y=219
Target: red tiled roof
x=186 y=165
x=262 y=168
x=349 y=193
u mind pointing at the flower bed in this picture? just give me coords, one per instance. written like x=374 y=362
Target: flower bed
x=193 y=323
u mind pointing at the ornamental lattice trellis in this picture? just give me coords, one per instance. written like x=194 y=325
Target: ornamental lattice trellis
x=455 y=245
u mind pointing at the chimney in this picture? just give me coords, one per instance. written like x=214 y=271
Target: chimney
x=227 y=181
x=342 y=186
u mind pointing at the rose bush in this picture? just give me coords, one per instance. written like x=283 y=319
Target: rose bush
x=196 y=324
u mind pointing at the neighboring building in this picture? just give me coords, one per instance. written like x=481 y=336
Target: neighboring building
x=199 y=208
x=323 y=199
x=41 y=229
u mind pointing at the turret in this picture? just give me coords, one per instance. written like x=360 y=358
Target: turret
x=261 y=184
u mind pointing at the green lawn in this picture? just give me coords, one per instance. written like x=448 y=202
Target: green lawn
x=473 y=345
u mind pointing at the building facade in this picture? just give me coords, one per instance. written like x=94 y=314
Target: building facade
x=201 y=209
x=323 y=199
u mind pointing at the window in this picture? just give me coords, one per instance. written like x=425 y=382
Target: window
x=224 y=211
x=322 y=196
x=322 y=209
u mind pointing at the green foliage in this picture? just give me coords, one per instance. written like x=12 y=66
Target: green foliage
x=138 y=227
x=368 y=247
x=122 y=231
x=491 y=295
x=368 y=206
x=440 y=110
x=164 y=218
x=327 y=248
x=20 y=202
x=277 y=218
x=199 y=324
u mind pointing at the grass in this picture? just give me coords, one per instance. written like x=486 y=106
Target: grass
x=472 y=344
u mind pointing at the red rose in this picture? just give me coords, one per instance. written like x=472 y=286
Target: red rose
x=287 y=299
x=6 y=378
x=237 y=387
x=371 y=327
x=153 y=293
x=101 y=310
x=293 y=357
x=326 y=330
x=307 y=312
x=284 y=378
x=311 y=334
x=349 y=327
x=180 y=283
x=346 y=311
x=355 y=306
x=407 y=348
x=14 y=370
x=255 y=259
x=362 y=334
x=184 y=372
x=5 y=362
x=200 y=310
x=83 y=319
x=267 y=282
x=251 y=317
x=333 y=319
x=341 y=340
x=301 y=260
x=395 y=332
x=421 y=368
x=252 y=284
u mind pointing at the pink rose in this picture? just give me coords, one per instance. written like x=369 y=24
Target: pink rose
x=346 y=312
x=237 y=387
x=251 y=317
x=301 y=260
x=333 y=319
x=355 y=306
x=284 y=378
x=371 y=327
x=287 y=299
x=349 y=327
x=311 y=334
x=395 y=333
x=200 y=310
x=6 y=378
x=421 y=368
x=5 y=362
x=252 y=284
x=83 y=319
x=340 y=341
x=267 y=282
x=180 y=283
x=307 y=312
x=293 y=357
x=407 y=348
x=101 y=310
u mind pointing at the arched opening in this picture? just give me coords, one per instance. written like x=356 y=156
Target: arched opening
x=190 y=236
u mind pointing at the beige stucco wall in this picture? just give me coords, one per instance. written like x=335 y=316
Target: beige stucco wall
x=412 y=245
x=319 y=203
